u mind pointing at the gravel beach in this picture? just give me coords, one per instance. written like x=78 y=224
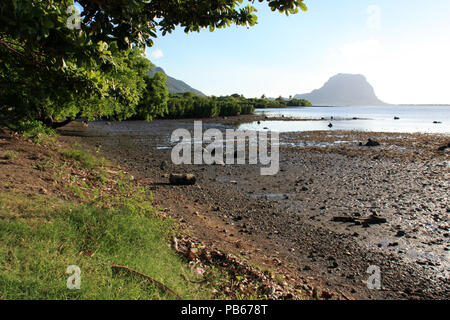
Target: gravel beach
x=335 y=208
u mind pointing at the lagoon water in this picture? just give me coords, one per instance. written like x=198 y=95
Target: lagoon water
x=413 y=119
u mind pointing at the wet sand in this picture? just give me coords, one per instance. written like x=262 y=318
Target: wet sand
x=307 y=222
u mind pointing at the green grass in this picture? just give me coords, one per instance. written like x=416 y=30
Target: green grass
x=83 y=158
x=39 y=242
x=10 y=155
x=34 y=130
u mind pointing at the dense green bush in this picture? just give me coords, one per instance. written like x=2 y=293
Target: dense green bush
x=279 y=103
x=189 y=105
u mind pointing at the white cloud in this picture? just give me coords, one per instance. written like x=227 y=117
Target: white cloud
x=156 y=54
x=400 y=74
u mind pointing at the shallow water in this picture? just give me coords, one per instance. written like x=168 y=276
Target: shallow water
x=413 y=119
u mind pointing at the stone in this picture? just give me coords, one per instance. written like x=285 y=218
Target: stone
x=372 y=143
x=400 y=234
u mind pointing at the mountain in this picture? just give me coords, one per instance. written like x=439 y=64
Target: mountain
x=344 y=90
x=174 y=85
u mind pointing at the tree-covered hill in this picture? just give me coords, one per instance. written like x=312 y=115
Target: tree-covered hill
x=175 y=85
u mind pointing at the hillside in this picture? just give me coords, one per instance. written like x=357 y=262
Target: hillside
x=175 y=85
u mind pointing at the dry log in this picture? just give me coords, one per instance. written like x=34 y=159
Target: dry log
x=182 y=179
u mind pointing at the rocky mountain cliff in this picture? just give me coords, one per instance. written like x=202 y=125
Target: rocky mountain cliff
x=344 y=90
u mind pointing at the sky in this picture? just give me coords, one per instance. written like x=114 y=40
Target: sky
x=401 y=46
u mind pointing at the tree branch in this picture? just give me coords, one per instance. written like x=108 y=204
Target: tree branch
x=160 y=284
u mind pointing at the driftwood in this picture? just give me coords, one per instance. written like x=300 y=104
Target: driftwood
x=182 y=179
x=159 y=284
x=361 y=221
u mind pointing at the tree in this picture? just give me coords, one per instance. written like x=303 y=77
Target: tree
x=135 y=85
x=52 y=73
x=155 y=97
x=138 y=21
x=48 y=68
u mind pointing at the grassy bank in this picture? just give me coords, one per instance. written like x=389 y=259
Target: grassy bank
x=62 y=205
x=99 y=219
x=47 y=236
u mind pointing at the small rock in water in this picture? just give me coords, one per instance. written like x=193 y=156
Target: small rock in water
x=393 y=244
x=443 y=148
x=372 y=143
x=400 y=234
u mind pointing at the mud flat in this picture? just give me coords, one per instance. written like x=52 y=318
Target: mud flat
x=311 y=221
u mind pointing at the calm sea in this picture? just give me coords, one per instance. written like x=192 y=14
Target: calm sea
x=374 y=119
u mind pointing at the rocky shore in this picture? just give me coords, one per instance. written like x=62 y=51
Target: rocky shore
x=335 y=208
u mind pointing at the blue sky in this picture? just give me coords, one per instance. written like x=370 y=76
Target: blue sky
x=401 y=46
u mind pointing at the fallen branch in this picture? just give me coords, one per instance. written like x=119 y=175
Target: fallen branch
x=361 y=221
x=344 y=295
x=160 y=284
